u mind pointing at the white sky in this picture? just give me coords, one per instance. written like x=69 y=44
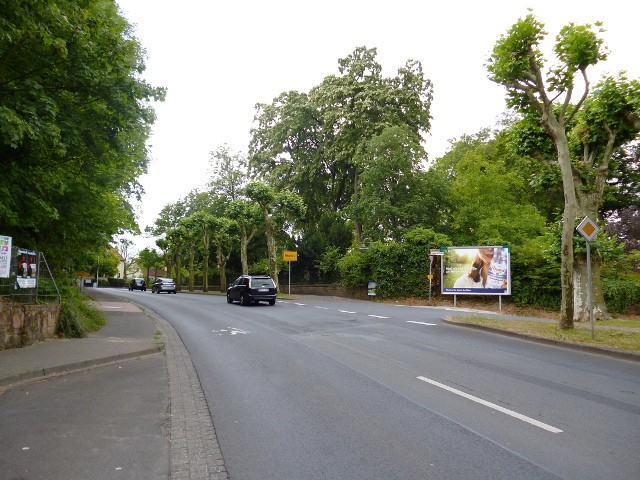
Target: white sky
x=217 y=59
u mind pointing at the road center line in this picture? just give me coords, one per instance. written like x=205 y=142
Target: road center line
x=517 y=415
x=321 y=308
x=378 y=316
x=300 y=304
x=421 y=323
x=346 y=311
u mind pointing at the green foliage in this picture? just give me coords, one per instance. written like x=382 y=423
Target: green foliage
x=490 y=200
x=77 y=317
x=74 y=120
x=621 y=293
x=314 y=143
x=621 y=282
x=399 y=268
x=328 y=263
x=535 y=277
x=391 y=199
x=355 y=269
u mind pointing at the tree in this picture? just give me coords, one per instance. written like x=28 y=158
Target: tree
x=204 y=224
x=277 y=208
x=223 y=237
x=249 y=217
x=602 y=166
x=126 y=254
x=391 y=199
x=229 y=173
x=192 y=240
x=149 y=258
x=74 y=120
x=490 y=199
x=516 y=63
x=311 y=143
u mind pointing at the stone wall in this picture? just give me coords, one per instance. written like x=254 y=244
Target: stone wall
x=22 y=325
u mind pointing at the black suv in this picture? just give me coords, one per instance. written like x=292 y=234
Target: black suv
x=252 y=288
x=138 y=284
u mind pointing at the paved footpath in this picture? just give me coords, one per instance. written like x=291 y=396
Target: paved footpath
x=124 y=402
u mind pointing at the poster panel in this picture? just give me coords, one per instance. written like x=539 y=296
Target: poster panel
x=476 y=270
x=5 y=256
x=27 y=268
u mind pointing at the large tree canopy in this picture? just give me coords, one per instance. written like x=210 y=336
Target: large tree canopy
x=318 y=144
x=74 y=117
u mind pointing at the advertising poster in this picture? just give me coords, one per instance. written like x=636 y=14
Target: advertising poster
x=5 y=256
x=27 y=268
x=476 y=270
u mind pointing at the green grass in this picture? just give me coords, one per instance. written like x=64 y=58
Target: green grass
x=612 y=337
x=77 y=316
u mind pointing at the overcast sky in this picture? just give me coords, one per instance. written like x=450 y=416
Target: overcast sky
x=217 y=59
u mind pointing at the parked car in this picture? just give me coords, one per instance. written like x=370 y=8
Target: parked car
x=252 y=288
x=138 y=284
x=163 y=284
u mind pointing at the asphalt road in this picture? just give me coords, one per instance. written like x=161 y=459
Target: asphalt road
x=331 y=388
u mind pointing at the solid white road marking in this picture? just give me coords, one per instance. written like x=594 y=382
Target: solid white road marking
x=378 y=316
x=517 y=415
x=421 y=323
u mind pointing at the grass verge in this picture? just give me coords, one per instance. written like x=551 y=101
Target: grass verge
x=619 y=336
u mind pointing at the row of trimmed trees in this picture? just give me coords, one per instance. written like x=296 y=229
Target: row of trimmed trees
x=343 y=164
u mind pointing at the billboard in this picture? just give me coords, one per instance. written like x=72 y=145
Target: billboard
x=5 y=256
x=476 y=270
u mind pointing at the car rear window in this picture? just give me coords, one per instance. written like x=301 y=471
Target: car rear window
x=262 y=282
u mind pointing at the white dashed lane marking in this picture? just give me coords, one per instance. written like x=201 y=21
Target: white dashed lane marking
x=421 y=323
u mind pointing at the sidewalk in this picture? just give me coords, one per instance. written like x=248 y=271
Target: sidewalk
x=120 y=417
x=127 y=335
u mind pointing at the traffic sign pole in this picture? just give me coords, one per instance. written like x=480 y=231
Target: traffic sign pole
x=589 y=229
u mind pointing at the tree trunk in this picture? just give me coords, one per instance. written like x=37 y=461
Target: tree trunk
x=271 y=247
x=192 y=254
x=178 y=264
x=568 y=219
x=205 y=271
x=244 y=243
x=222 y=268
x=356 y=221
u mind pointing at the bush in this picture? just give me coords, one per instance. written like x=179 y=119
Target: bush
x=70 y=322
x=116 y=282
x=399 y=268
x=621 y=282
x=77 y=317
x=620 y=294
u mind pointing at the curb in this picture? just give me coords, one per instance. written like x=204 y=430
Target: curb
x=621 y=354
x=46 y=372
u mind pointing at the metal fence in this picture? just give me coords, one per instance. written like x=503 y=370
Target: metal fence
x=30 y=279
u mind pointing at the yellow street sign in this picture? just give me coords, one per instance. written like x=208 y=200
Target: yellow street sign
x=289 y=256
